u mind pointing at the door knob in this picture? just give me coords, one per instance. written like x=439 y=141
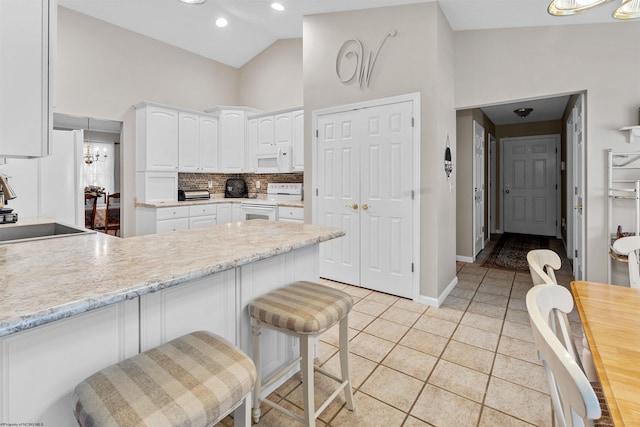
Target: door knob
x=506 y=191
x=353 y=206
x=365 y=207
x=578 y=207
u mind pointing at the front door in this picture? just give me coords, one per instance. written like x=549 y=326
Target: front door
x=530 y=184
x=578 y=193
x=478 y=188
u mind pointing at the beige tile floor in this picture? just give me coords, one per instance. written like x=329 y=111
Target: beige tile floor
x=471 y=362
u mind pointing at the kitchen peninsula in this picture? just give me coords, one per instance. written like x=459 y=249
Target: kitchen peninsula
x=70 y=306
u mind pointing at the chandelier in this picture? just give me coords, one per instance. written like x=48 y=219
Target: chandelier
x=94 y=158
x=629 y=9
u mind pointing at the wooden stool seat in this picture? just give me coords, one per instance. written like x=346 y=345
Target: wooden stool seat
x=194 y=380
x=305 y=310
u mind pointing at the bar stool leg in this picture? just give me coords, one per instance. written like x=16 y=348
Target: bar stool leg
x=242 y=414
x=256 y=332
x=306 y=352
x=344 y=361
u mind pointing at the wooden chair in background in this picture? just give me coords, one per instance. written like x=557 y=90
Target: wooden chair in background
x=112 y=215
x=90 y=202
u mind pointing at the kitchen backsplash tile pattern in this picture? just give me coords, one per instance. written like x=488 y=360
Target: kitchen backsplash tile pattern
x=199 y=181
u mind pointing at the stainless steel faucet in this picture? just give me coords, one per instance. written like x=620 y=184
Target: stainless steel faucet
x=7 y=191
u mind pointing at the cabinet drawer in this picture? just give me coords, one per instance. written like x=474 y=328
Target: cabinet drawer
x=285 y=212
x=202 y=221
x=172 y=225
x=201 y=210
x=171 y=213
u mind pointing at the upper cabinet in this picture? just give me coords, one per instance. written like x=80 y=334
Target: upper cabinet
x=156 y=139
x=278 y=141
x=27 y=61
x=232 y=151
x=198 y=142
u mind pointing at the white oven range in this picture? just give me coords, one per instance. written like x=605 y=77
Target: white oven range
x=268 y=208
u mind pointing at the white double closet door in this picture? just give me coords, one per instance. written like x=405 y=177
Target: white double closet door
x=365 y=182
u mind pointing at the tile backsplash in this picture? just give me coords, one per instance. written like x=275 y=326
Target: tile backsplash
x=200 y=181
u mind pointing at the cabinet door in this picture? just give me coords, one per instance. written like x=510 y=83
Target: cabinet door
x=189 y=142
x=208 y=143
x=161 y=141
x=282 y=129
x=202 y=221
x=25 y=79
x=208 y=304
x=231 y=142
x=266 y=140
x=252 y=144
x=225 y=213
x=41 y=366
x=172 y=225
x=297 y=141
x=237 y=214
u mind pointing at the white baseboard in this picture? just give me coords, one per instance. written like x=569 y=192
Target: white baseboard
x=464 y=258
x=437 y=302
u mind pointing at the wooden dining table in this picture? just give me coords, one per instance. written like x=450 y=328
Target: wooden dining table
x=610 y=315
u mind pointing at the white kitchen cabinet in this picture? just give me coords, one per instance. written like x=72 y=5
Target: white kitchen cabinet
x=202 y=216
x=282 y=129
x=156 y=187
x=161 y=220
x=41 y=366
x=291 y=214
x=156 y=138
x=252 y=144
x=232 y=124
x=27 y=64
x=225 y=213
x=237 y=214
x=198 y=142
x=266 y=137
x=208 y=304
x=297 y=141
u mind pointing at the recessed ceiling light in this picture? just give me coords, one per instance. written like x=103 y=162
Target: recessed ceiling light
x=221 y=22
x=277 y=6
x=192 y=1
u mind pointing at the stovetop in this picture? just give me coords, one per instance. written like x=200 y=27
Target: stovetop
x=279 y=193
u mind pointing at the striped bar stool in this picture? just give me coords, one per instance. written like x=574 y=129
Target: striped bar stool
x=305 y=310
x=195 y=380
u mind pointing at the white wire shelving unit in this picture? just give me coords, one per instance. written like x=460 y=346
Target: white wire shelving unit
x=624 y=185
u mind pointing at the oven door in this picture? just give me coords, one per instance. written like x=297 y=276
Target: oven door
x=251 y=211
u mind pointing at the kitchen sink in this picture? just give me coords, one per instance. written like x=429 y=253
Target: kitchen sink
x=28 y=232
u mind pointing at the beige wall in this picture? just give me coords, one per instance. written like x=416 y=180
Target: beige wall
x=464 y=180
x=601 y=59
x=103 y=70
x=418 y=59
x=273 y=80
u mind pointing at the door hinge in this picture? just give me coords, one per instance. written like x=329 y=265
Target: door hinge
x=317 y=133
x=316 y=191
x=576 y=253
x=412 y=194
x=412 y=267
x=483 y=228
x=556 y=223
x=556 y=186
x=413 y=122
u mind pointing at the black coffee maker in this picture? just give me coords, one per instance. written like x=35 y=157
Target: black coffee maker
x=236 y=188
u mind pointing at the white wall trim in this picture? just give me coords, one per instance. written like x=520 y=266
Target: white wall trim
x=414 y=98
x=437 y=302
x=464 y=258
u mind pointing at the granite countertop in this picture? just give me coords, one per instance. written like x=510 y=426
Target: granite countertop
x=47 y=280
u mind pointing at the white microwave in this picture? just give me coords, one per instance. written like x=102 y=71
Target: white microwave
x=277 y=162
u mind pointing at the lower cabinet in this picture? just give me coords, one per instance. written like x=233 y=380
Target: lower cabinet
x=41 y=366
x=161 y=220
x=208 y=304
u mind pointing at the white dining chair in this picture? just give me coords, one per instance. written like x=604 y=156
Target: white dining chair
x=574 y=401
x=542 y=266
x=630 y=246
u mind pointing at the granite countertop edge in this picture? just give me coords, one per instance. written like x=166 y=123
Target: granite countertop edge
x=72 y=308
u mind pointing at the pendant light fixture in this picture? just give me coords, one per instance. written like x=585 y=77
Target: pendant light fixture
x=629 y=9
x=192 y=1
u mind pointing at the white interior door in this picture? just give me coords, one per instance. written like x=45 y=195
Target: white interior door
x=530 y=185
x=478 y=188
x=365 y=183
x=578 y=193
x=339 y=195
x=386 y=200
